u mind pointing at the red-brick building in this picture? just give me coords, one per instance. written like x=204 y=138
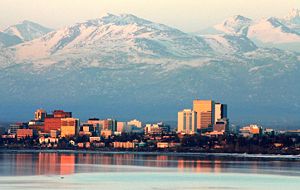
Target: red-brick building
x=22 y=133
x=53 y=121
x=52 y=124
x=61 y=114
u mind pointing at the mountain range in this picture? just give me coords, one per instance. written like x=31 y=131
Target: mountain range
x=282 y=33
x=124 y=66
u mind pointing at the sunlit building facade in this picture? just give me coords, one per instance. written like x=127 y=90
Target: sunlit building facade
x=187 y=121
x=39 y=115
x=135 y=122
x=220 y=111
x=69 y=127
x=205 y=113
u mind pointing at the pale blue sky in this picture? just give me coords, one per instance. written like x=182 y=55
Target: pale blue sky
x=187 y=15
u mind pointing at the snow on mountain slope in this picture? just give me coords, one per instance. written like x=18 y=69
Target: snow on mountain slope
x=283 y=33
x=27 y=30
x=123 y=64
x=271 y=30
x=7 y=40
x=292 y=20
x=293 y=17
x=229 y=44
x=237 y=25
x=123 y=33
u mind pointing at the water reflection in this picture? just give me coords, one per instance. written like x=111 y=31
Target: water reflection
x=12 y=164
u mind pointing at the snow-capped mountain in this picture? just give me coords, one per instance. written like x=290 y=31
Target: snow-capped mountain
x=237 y=25
x=114 y=35
x=229 y=44
x=272 y=30
x=124 y=65
x=283 y=33
x=293 y=17
x=27 y=30
x=7 y=40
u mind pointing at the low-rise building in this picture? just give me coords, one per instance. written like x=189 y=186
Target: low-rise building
x=293 y=132
x=162 y=145
x=157 y=129
x=47 y=140
x=251 y=130
x=222 y=125
x=54 y=133
x=13 y=128
x=135 y=123
x=106 y=133
x=24 y=133
x=94 y=139
x=9 y=136
x=126 y=145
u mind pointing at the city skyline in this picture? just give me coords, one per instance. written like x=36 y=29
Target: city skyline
x=149 y=94
x=60 y=130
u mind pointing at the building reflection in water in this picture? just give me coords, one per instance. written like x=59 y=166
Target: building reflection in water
x=66 y=164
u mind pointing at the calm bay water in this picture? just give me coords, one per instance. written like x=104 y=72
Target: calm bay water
x=140 y=171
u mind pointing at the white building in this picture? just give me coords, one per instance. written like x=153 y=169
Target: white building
x=135 y=122
x=187 y=121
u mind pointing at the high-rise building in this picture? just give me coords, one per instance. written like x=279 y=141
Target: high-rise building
x=69 y=127
x=205 y=113
x=187 y=121
x=39 y=115
x=220 y=111
x=53 y=121
x=109 y=124
x=52 y=124
x=121 y=126
x=97 y=124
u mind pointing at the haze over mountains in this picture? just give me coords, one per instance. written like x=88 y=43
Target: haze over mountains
x=283 y=33
x=124 y=66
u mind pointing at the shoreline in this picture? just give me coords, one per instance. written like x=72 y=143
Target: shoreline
x=267 y=157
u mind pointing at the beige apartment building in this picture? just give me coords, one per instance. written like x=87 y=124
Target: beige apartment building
x=187 y=121
x=69 y=127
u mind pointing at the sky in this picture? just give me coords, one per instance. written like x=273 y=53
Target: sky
x=187 y=15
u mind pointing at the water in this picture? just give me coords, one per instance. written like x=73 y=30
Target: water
x=144 y=172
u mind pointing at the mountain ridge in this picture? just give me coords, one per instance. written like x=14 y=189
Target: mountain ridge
x=27 y=30
x=124 y=65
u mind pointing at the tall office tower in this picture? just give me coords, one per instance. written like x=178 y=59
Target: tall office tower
x=187 y=121
x=205 y=113
x=39 y=115
x=96 y=124
x=108 y=124
x=69 y=127
x=220 y=111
